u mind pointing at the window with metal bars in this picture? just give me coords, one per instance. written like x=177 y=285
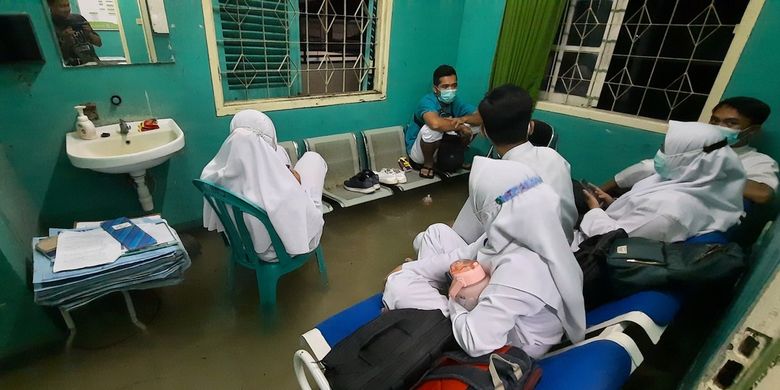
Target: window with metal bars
x=647 y=58
x=295 y=48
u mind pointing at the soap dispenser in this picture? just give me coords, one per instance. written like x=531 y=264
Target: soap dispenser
x=84 y=127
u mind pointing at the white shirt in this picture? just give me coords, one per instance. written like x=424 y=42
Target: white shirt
x=758 y=166
x=552 y=168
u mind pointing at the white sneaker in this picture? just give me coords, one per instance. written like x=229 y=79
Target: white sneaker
x=388 y=176
x=400 y=176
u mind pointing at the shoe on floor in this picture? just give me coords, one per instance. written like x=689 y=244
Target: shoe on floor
x=388 y=176
x=361 y=182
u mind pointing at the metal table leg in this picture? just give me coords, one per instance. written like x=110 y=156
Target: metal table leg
x=131 y=311
x=71 y=327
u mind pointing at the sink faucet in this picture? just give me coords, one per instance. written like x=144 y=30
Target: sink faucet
x=124 y=128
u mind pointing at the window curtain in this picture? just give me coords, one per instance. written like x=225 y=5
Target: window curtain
x=527 y=34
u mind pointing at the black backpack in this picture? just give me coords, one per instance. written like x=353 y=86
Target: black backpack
x=451 y=153
x=592 y=258
x=391 y=352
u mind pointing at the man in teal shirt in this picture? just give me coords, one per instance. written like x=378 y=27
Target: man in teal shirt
x=437 y=113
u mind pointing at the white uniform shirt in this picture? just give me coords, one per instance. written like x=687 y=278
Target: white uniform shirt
x=552 y=168
x=758 y=166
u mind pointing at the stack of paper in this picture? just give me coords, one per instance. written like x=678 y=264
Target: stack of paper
x=74 y=280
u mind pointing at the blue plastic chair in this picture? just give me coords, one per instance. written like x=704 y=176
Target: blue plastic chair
x=242 y=248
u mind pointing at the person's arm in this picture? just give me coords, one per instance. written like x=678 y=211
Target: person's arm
x=486 y=328
x=610 y=187
x=758 y=193
x=437 y=123
x=473 y=119
x=92 y=36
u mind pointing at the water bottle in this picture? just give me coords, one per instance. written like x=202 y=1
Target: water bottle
x=427 y=200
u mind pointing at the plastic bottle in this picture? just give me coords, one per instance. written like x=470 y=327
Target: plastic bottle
x=84 y=127
x=427 y=200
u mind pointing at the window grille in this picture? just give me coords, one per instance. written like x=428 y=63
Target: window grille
x=647 y=58
x=295 y=48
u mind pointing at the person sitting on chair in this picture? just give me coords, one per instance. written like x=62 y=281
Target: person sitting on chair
x=252 y=165
x=506 y=115
x=744 y=116
x=534 y=295
x=437 y=113
x=696 y=189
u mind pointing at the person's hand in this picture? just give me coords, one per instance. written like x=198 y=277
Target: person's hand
x=296 y=174
x=591 y=200
x=604 y=198
x=68 y=35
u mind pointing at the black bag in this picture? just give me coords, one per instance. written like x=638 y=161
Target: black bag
x=636 y=264
x=451 y=153
x=592 y=258
x=391 y=352
x=509 y=366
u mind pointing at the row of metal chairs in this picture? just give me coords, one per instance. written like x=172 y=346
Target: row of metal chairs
x=383 y=147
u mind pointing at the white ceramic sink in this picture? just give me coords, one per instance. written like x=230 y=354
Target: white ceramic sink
x=136 y=151
x=132 y=153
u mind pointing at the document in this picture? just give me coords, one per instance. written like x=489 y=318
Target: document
x=82 y=249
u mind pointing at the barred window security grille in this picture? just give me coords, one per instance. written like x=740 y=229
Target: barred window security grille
x=647 y=58
x=292 y=48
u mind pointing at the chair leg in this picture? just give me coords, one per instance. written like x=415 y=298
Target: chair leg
x=321 y=266
x=266 y=286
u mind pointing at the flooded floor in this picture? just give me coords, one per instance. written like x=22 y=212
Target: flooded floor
x=203 y=335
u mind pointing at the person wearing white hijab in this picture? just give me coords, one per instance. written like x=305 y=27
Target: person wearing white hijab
x=250 y=163
x=697 y=189
x=535 y=290
x=506 y=117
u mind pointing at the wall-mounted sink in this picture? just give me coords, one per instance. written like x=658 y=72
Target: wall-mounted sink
x=132 y=153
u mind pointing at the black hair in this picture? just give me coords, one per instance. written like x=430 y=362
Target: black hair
x=443 y=71
x=506 y=112
x=751 y=108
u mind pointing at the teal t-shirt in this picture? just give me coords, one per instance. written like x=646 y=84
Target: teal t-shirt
x=430 y=103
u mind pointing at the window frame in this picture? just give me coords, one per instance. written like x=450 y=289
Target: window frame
x=381 y=61
x=741 y=33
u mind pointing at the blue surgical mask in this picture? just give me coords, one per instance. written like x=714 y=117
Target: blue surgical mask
x=446 y=96
x=659 y=162
x=732 y=136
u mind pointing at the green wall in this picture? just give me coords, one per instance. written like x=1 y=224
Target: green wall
x=36 y=104
x=756 y=74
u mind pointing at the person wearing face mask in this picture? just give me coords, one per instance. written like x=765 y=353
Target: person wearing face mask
x=534 y=295
x=739 y=119
x=439 y=112
x=696 y=189
x=506 y=114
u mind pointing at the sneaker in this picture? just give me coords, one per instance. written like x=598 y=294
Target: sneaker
x=387 y=176
x=400 y=176
x=404 y=164
x=360 y=183
x=373 y=176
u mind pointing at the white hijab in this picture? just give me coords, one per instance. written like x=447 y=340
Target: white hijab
x=260 y=124
x=525 y=241
x=703 y=191
x=248 y=165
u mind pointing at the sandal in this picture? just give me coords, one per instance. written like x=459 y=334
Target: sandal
x=428 y=173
